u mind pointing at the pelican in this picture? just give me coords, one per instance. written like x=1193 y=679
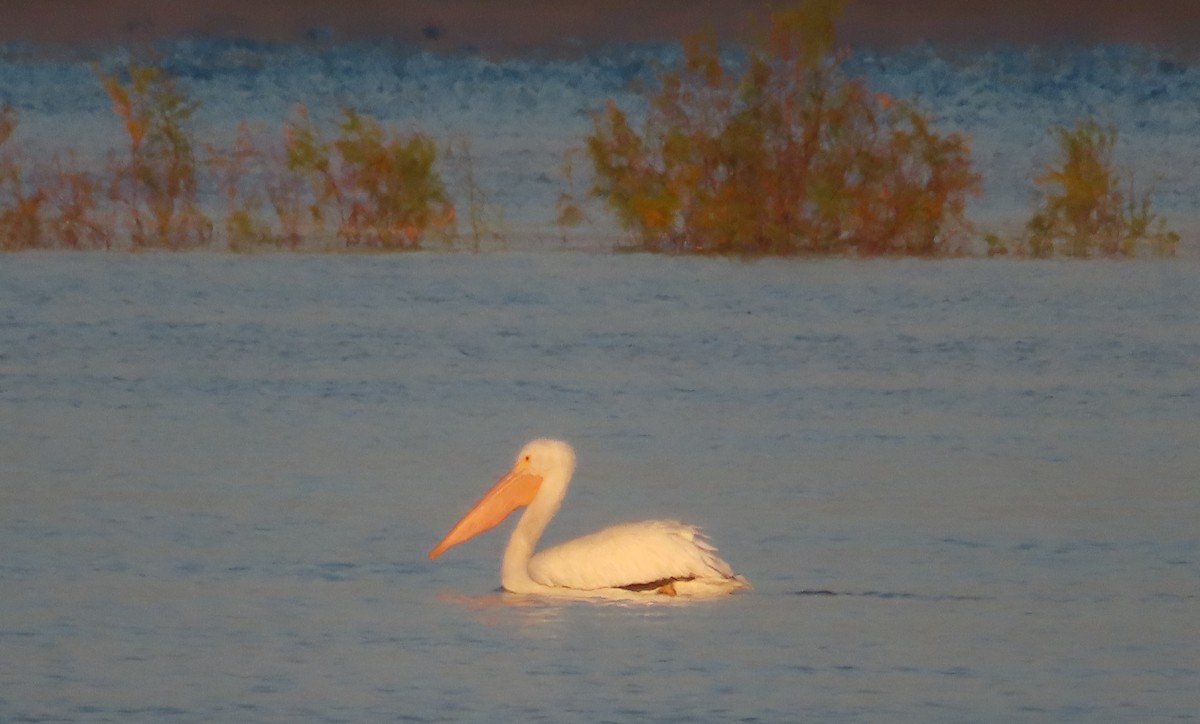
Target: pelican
x=630 y=560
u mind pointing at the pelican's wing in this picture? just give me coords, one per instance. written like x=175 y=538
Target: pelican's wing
x=628 y=555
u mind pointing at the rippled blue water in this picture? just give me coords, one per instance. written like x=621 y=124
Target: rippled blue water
x=963 y=490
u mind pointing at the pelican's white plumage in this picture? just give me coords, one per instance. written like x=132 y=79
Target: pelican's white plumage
x=630 y=559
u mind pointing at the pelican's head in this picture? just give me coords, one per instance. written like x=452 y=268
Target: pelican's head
x=541 y=462
x=547 y=458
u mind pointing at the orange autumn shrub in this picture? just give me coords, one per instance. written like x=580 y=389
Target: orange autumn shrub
x=1084 y=209
x=157 y=180
x=239 y=173
x=75 y=217
x=391 y=192
x=52 y=205
x=20 y=206
x=380 y=187
x=789 y=156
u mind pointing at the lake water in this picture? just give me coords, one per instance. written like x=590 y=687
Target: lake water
x=964 y=490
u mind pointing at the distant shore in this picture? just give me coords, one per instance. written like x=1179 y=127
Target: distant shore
x=567 y=25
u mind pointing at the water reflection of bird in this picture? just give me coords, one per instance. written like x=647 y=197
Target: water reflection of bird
x=630 y=560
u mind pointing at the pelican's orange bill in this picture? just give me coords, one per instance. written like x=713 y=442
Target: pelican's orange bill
x=510 y=492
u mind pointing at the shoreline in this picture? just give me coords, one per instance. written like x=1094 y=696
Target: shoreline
x=547 y=26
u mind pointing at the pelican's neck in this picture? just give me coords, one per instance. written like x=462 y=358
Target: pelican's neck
x=514 y=567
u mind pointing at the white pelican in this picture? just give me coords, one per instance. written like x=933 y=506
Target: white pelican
x=624 y=561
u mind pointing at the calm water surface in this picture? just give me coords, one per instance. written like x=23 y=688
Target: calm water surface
x=964 y=490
